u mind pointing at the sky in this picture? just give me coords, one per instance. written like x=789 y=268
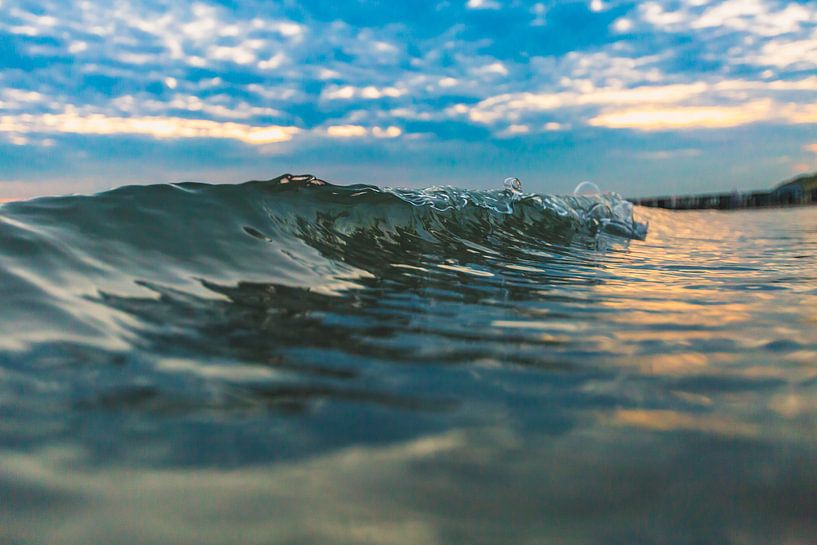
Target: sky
x=642 y=98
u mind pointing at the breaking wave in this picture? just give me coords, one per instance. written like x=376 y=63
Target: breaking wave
x=245 y=274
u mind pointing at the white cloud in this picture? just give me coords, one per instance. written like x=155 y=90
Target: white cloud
x=17 y=98
x=586 y=71
x=340 y=93
x=492 y=69
x=326 y=73
x=622 y=25
x=285 y=28
x=346 y=131
x=758 y=17
x=15 y=138
x=755 y=16
x=77 y=47
x=413 y=113
x=663 y=155
x=654 y=13
x=386 y=132
x=244 y=53
x=539 y=11
x=370 y=92
x=483 y=4
x=359 y=131
x=220 y=106
x=273 y=62
x=383 y=47
x=139 y=33
x=514 y=105
x=800 y=54
x=513 y=130
x=156 y=127
x=727 y=103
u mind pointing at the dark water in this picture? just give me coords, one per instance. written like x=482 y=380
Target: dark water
x=301 y=363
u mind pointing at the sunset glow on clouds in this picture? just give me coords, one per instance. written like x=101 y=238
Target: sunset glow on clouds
x=467 y=91
x=156 y=127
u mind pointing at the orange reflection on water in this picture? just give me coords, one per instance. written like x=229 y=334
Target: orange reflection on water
x=669 y=420
x=673 y=364
x=659 y=301
x=792 y=405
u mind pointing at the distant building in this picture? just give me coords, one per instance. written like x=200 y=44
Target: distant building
x=802 y=189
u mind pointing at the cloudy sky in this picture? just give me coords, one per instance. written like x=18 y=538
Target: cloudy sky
x=645 y=98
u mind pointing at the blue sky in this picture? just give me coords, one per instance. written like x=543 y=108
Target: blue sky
x=644 y=98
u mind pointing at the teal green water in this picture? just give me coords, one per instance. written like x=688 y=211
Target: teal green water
x=294 y=362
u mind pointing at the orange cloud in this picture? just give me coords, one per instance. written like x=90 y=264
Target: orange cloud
x=156 y=127
x=652 y=118
x=684 y=117
x=346 y=131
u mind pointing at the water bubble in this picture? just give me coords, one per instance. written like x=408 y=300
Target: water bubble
x=513 y=185
x=623 y=210
x=587 y=189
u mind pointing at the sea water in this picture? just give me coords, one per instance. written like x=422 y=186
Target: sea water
x=295 y=362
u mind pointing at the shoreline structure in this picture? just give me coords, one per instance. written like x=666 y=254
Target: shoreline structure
x=801 y=190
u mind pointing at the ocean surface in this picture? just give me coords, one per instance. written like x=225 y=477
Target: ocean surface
x=292 y=362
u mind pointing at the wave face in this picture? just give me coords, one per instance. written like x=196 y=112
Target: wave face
x=64 y=256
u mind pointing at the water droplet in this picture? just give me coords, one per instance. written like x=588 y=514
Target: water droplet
x=513 y=185
x=587 y=189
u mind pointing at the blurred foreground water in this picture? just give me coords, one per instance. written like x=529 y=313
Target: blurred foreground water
x=295 y=362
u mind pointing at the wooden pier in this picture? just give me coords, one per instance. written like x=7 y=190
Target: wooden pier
x=799 y=191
